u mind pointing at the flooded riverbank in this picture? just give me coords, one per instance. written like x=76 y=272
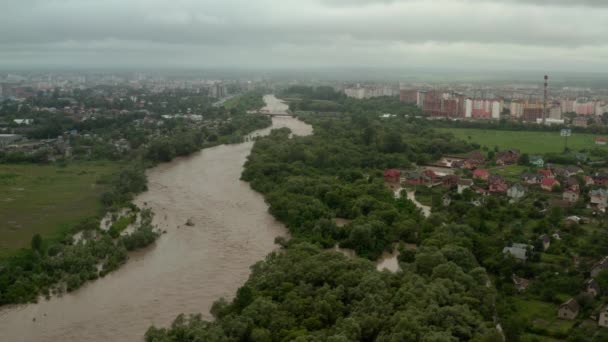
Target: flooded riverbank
x=189 y=267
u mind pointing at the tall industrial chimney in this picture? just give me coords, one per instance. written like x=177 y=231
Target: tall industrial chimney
x=545 y=101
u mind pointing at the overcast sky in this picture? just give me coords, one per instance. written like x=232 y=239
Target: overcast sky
x=558 y=35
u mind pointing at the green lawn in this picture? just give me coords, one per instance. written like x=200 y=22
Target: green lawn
x=511 y=172
x=525 y=141
x=46 y=198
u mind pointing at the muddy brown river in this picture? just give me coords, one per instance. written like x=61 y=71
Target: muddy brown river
x=186 y=270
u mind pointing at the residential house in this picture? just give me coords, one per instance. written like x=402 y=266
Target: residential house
x=450 y=181
x=532 y=178
x=392 y=175
x=603 y=319
x=521 y=284
x=482 y=174
x=572 y=184
x=546 y=241
x=569 y=309
x=599 y=267
x=464 y=184
x=549 y=183
x=570 y=220
x=589 y=181
x=518 y=251
x=600 y=141
x=547 y=173
x=537 y=161
x=600 y=178
x=516 y=192
x=480 y=191
x=599 y=198
x=508 y=157
x=497 y=184
x=416 y=178
x=474 y=159
x=573 y=171
x=592 y=287
x=431 y=175
x=570 y=196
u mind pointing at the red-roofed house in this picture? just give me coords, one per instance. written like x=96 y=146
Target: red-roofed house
x=482 y=174
x=392 y=175
x=600 y=141
x=546 y=173
x=549 y=183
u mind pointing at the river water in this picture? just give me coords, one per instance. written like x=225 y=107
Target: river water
x=186 y=270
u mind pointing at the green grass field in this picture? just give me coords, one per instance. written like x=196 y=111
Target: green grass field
x=45 y=199
x=525 y=141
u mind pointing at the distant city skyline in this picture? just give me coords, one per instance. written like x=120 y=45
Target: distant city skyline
x=552 y=36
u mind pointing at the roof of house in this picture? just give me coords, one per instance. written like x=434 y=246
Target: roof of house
x=545 y=172
x=466 y=182
x=518 y=250
x=550 y=182
x=536 y=158
x=481 y=172
x=599 y=193
x=602 y=263
x=392 y=173
x=592 y=283
x=571 y=304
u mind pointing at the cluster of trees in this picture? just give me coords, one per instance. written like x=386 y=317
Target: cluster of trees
x=307 y=294
x=326 y=99
x=66 y=265
x=337 y=173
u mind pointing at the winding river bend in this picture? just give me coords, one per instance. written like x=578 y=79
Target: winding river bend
x=189 y=267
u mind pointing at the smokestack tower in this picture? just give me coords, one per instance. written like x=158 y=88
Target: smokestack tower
x=545 y=101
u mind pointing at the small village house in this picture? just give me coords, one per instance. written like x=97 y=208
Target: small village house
x=603 y=317
x=521 y=284
x=598 y=198
x=482 y=174
x=464 y=184
x=547 y=173
x=592 y=287
x=532 y=178
x=569 y=310
x=537 y=161
x=549 y=183
x=450 y=181
x=518 y=251
x=508 y=157
x=599 y=267
x=392 y=175
x=570 y=196
x=516 y=192
x=600 y=141
x=497 y=184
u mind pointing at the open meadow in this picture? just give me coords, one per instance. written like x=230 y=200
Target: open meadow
x=525 y=141
x=46 y=199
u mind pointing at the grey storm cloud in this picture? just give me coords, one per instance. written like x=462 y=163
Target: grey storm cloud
x=561 y=34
